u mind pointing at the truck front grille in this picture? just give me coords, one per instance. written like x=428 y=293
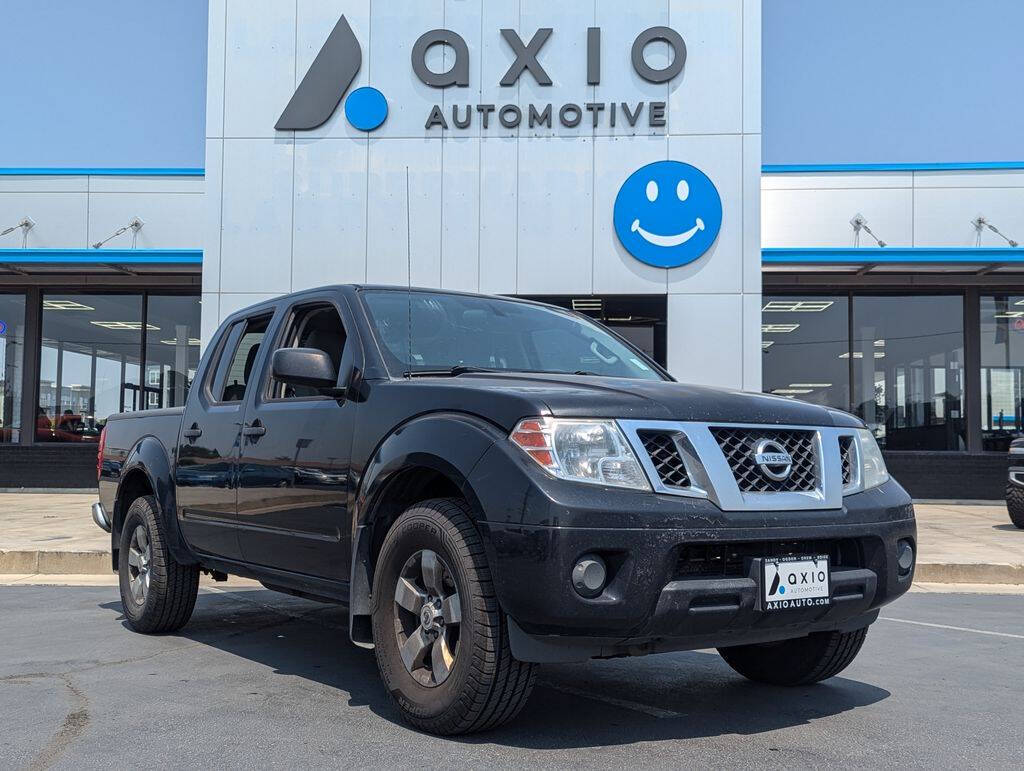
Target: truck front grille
x=730 y=560
x=664 y=454
x=738 y=447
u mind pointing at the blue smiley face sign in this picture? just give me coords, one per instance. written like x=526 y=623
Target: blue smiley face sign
x=667 y=214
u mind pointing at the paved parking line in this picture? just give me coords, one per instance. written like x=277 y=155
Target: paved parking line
x=953 y=628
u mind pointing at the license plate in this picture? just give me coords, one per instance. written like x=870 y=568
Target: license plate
x=795 y=582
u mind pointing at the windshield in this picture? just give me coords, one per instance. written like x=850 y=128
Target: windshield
x=459 y=331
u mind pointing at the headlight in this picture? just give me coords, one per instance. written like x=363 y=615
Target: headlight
x=593 y=451
x=872 y=465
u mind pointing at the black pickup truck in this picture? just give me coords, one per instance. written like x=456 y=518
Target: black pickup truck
x=489 y=484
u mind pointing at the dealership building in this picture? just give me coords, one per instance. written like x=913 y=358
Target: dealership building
x=606 y=157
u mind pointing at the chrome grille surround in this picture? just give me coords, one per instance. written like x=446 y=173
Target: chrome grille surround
x=666 y=458
x=711 y=476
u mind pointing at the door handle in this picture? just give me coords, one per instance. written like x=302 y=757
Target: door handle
x=254 y=430
x=192 y=433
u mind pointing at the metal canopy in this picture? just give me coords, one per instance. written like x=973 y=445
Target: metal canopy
x=975 y=261
x=42 y=262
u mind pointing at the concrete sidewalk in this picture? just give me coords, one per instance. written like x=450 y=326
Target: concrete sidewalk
x=54 y=535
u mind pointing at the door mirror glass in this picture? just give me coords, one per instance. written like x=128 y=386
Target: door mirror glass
x=309 y=367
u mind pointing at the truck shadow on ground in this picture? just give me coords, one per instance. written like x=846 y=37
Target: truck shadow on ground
x=598 y=703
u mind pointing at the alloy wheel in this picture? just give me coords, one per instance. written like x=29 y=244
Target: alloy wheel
x=140 y=556
x=428 y=616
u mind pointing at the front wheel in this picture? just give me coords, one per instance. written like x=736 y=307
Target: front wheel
x=441 y=638
x=803 y=661
x=158 y=594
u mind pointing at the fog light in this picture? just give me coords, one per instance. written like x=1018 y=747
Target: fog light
x=589 y=576
x=905 y=556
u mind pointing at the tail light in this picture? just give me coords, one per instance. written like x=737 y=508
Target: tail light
x=99 y=453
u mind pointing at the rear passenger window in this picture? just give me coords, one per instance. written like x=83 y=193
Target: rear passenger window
x=311 y=326
x=236 y=368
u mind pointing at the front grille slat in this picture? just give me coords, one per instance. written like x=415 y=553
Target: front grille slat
x=738 y=444
x=730 y=560
x=846 y=451
x=664 y=454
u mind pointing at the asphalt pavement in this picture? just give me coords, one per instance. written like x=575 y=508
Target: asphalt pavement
x=259 y=679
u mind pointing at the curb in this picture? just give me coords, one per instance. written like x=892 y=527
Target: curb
x=969 y=573
x=98 y=563
x=55 y=562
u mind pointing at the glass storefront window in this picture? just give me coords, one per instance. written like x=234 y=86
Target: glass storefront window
x=908 y=358
x=805 y=348
x=172 y=349
x=89 y=363
x=1002 y=370
x=12 y=355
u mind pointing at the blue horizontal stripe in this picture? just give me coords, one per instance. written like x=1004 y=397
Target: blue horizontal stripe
x=101 y=256
x=808 y=168
x=100 y=172
x=892 y=254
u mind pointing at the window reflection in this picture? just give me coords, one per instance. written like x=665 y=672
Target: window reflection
x=1002 y=364
x=12 y=352
x=908 y=355
x=172 y=349
x=805 y=348
x=89 y=364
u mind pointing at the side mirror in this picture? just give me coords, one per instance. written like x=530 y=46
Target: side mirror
x=304 y=367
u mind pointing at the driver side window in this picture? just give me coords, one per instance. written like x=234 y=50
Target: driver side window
x=311 y=326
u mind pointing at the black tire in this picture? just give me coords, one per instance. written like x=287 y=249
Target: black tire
x=167 y=604
x=485 y=686
x=803 y=661
x=1015 y=504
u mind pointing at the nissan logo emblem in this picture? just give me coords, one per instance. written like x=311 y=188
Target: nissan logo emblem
x=773 y=460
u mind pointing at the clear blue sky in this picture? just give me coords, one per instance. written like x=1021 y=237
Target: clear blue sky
x=107 y=83
x=114 y=83
x=892 y=81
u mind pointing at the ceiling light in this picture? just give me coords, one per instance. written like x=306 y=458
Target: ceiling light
x=810 y=385
x=860 y=355
x=133 y=325
x=879 y=343
x=191 y=341
x=587 y=304
x=766 y=344
x=1009 y=315
x=65 y=305
x=797 y=306
x=778 y=328
x=788 y=391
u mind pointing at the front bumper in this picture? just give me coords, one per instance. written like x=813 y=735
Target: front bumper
x=661 y=597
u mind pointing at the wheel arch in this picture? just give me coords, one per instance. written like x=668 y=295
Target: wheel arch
x=429 y=457
x=147 y=470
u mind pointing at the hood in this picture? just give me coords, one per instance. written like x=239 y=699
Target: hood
x=602 y=397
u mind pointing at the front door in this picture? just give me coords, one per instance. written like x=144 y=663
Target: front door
x=209 y=443
x=293 y=474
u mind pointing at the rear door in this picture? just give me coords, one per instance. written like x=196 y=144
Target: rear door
x=294 y=472
x=208 y=446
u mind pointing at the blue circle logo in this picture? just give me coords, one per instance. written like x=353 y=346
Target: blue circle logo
x=366 y=108
x=667 y=214
x=3 y=327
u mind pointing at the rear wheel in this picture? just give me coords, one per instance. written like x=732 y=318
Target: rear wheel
x=803 y=661
x=441 y=638
x=1015 y=504
x=158 y=594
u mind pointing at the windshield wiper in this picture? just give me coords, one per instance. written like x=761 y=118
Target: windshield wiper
x=459 y=369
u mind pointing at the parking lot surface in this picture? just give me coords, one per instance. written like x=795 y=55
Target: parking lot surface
x=259 y=679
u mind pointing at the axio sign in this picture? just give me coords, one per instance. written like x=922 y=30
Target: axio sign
x=666 y=214
x=338 y=62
